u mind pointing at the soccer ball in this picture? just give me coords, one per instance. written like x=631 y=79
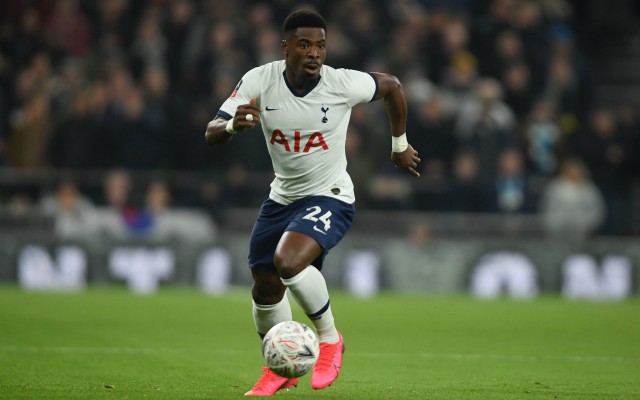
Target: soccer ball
x=290 y=349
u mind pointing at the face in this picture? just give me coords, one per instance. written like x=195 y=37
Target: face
x=305 y=51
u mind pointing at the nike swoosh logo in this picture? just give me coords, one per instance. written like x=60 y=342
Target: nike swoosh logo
x=271 y=109
x=315 y=228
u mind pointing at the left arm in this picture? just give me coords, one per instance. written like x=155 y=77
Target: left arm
x=390 y=88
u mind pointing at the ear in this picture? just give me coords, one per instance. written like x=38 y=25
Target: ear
x=285 y=46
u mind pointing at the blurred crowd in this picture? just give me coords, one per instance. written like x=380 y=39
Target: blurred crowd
x=501 y=100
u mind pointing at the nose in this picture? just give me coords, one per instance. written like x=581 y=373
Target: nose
x=314 y=52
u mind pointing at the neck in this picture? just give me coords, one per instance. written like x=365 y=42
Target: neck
x=299 y=83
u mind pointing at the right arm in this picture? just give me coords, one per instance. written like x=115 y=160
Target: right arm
x=390 y=89
x=217 y=132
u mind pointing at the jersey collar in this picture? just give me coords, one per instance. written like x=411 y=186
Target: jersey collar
x=293 y=91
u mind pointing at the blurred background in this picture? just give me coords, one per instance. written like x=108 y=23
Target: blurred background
x=525 y=114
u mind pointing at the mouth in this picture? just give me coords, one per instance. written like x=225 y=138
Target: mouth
x=311 y=68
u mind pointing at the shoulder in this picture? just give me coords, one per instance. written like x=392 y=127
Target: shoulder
x=264 y=72
x=258 y=79
x=346 y=79
x=355 y=86
x=272 y=69
x=343 y=74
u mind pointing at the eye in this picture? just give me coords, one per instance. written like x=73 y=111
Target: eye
x=304 y=45
x=321 y=46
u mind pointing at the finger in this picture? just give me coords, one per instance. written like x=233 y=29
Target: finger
x=248 y=120
x=246 y=108
x=414 y=172
x=253 y=104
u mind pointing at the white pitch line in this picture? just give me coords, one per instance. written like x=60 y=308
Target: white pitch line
x=113 y=350
x=74 y=349
x=449 y=356
x=510 y=357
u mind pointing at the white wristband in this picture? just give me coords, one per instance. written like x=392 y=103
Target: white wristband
x=229 y=127
x=399 y=143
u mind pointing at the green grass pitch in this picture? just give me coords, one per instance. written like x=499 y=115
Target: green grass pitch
x=106 y=343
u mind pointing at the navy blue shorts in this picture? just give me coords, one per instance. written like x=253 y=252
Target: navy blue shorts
x=323 y=218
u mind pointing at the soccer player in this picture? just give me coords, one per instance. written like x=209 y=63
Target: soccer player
x=304 y=108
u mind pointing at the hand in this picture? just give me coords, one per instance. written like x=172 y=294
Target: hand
x=408 y=160
x=240 y=121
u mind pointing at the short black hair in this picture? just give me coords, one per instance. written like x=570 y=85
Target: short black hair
x=303 y=19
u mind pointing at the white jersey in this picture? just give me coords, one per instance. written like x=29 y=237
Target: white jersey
x=305 y=133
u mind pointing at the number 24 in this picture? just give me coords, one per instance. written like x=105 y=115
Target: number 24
x=324 y=218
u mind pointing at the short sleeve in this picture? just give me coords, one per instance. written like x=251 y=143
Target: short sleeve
x=361 y=87
x=245 y=90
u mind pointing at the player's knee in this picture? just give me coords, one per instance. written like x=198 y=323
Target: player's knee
x=267 y=286
x=267 y=299
x=268 y=294
x=288 y=267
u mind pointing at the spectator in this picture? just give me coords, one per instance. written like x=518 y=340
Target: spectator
x=467 y=192
x=210 y=198
x=177 y=31
x=577 y=97
x=135 y=125
x=114 y=17
x=71 y=83
x=527 y=20
x=73 y=214
x=149 y=47
x=509 y=51
x=267 y=45
x=99 y=106
x=237 y=189
x=543 y=138
x=430 y=192
x=29 y=39
x=562 y=90
x=418 y=260
x=629 y=125
x=606 y=151
x=168 y=222
x=488 y=25
x=342 y=47
x=436 y=140
x=401 y=51
x=68 y=28
x=72 y=142
x=486 y=124
x=519 y=93
x=448 y=38
x=32 y=127
x=571 y=205
x=389 y=192
x=115 y=215
x=117 y=190
x=359 y=167
x=219 y=57
x=511 y=193
x=359 y=21
x=461 y=77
